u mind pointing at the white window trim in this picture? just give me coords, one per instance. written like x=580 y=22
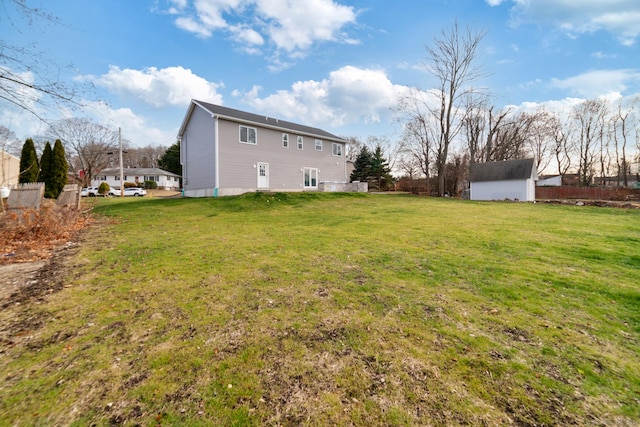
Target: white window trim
x=300 y=142
x=285 y=140
x=255 y=133
x=304 y=170
x=318 y=144
x=333 y=149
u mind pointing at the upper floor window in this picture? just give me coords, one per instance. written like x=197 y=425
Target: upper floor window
x=300 y=141
x=248 y=135
x=318 y=145
x=336 y=149
x=285 y=140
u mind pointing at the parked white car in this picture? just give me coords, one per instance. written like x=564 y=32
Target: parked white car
x=135 y=191
x=89 y=191
x=131 y=191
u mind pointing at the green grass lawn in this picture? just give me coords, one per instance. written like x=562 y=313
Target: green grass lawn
x=336 y=309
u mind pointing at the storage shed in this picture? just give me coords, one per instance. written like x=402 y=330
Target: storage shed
x=510 y=179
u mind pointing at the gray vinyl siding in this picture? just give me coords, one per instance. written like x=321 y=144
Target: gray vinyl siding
x=198 y=152
x=238 y=161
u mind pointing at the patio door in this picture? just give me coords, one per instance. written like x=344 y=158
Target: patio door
x=263 y=175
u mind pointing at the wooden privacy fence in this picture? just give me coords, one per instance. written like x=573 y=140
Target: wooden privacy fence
x=587 y=193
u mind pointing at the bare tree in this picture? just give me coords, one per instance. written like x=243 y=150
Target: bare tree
x=391 y=150
x=29 y=81
x=139 y=157
x=486 y=131
x=540 y=139
x=419 y=132
x=562 y=148
x=590 y=120
x=453 y=62
x=352 y=147
x=475 y=125
x=87 y=145
x=9 y=142
x=623 y=123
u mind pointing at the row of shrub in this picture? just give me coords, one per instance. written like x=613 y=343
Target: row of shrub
x=148 y=185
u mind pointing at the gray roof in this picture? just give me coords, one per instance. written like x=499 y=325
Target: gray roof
x=502 y=171
x=137 y=172
x=262 y=120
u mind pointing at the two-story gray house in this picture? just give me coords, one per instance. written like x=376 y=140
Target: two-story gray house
x=226 y=152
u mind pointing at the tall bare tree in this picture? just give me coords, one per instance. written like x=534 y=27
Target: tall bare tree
x=87 y=145
x=590 y=120
x=453 y=62
x=563 y=149
x=540 y=138
x=623 y=123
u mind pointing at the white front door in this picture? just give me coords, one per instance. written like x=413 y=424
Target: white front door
x=263 y=175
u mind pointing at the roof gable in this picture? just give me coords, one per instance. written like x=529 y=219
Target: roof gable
x=259 y=120
x=502 y=171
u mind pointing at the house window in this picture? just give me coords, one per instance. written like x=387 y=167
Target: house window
x=310 y=178
x=285 y=140
x=248 y=135
x=336 y=149
x=300 y=143
x=318 y=145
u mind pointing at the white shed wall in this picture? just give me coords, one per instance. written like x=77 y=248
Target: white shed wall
x=523 y=190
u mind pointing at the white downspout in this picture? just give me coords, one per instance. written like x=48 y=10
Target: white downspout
x=216 y=154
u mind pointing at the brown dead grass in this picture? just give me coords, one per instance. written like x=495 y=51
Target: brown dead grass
x=28 y=235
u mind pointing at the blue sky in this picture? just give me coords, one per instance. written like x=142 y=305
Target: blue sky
x=334 y=64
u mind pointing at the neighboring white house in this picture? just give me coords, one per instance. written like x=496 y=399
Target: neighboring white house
x=226 y=152
x=549 y=181
x=511 y=179
x=166 y=180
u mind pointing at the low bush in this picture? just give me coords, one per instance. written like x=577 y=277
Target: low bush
x=103 y=188
x=150 y=185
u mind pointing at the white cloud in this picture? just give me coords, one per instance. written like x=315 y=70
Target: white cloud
x=135 y=128
x=494 y=2
x=171 y=86
x=187 y=23
x=597 y=83
x=349 y=95
x=290 y=26
x=575 y=17
x=296 y=24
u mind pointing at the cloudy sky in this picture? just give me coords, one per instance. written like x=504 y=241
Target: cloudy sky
x=334 y=64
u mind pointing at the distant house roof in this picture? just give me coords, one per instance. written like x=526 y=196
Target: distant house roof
x=257 y=119
x=502 y=171
x=137 y=172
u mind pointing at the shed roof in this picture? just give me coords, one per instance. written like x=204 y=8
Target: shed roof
x=261 y=120
x=507 y=170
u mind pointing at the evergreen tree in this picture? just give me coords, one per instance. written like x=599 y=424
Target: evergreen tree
x=380 y=169
x=362 y=165
x=170 y=160
x=59 y=168
x=29 y=167
x=45 y=170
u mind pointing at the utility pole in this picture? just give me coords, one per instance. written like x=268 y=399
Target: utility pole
x=121 y=170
